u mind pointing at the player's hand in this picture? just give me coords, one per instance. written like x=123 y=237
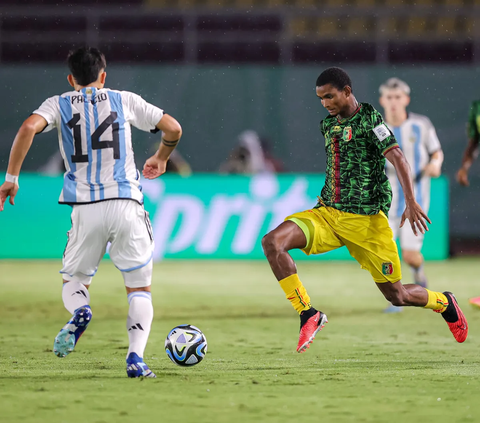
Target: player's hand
x=416 y=216
x=462 y=177
x=154 y=167
x=8 y=189
x=433 y=170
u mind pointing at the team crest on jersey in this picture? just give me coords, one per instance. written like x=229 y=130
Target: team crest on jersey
x=387 y=268
x=347 y=133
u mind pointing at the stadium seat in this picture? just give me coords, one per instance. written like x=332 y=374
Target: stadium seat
x=446 y=26
x=359 y=26
x=327 y=27
x=426 y=2
x=305 y=3
x=367 y=3
x=298 y=27
x=416 y=26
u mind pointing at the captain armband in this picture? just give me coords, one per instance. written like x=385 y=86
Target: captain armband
x=170 y=144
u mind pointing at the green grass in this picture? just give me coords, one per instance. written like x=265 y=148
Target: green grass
x=363 y=367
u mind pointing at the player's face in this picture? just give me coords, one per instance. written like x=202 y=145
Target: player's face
x=394 y=101
x=333 y=99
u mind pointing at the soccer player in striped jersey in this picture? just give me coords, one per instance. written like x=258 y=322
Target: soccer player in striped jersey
x=352 y=211
x=102 y=185
x=469 y=156
x=418 y=140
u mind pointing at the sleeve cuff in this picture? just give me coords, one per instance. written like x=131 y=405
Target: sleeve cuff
x=390 y=147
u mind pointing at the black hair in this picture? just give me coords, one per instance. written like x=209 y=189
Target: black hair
x=336 y=77
x=85 y=63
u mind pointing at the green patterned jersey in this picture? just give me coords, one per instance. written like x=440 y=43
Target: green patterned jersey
x=355 y=177
x=473 y=126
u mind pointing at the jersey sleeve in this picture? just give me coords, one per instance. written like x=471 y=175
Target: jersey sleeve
x=472 y=125
x=432 y=141
x=141 y=114
x=50 y=111
x=380 y=135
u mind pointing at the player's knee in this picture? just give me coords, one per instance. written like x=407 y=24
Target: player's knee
x=270 y=243
x=412 y=258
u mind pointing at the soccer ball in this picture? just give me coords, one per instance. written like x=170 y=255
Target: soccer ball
x=186 y=345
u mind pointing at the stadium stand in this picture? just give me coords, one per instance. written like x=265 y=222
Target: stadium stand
x=243 y=31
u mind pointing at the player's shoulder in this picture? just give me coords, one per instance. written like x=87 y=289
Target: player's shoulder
x=369 y=116
x=367 y=108
x=419 y=119
x=475 y=105
x=66 y=94
x=123 y=93
x=368 y=113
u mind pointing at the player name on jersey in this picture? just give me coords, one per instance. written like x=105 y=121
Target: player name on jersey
x=95 y=140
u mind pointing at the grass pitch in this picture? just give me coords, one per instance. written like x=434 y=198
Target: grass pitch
x=363 y=367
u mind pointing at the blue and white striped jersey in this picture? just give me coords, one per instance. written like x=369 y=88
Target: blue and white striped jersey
x=95 y=141
x=418 y=140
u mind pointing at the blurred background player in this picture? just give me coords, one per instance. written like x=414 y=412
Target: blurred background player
x=102 y=185
x=418 y=140
x=252 y=155
x=352 y=211
x=469 y=156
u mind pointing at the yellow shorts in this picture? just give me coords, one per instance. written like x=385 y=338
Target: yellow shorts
x=369 y=239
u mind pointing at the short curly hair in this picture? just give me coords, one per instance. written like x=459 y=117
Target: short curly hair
x=336 y=77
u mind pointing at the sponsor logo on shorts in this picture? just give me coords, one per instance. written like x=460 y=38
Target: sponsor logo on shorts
x=387 y=268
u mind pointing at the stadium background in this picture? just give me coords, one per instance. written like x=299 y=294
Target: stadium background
x=224 y=66
x=221 y=67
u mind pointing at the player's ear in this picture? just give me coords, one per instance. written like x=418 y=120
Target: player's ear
x=380 y=100
x=103 y=76
x=70 y=80
x=407 y=101
x=347 y=91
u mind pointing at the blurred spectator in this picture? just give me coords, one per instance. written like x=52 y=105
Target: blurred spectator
x=252 y=155
x=177 y=164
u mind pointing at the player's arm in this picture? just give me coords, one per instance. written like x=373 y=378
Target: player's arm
x=434 y=166
x=471 y=152
x=22 y=143
x=171 y=134
x=413 y=212
x=469 y=156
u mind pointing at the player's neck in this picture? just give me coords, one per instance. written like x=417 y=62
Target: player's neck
x=350 y=111
x=96 y=85
x=396 y=119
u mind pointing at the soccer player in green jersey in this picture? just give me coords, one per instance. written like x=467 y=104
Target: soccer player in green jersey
x=352 y=211
x=470 y=154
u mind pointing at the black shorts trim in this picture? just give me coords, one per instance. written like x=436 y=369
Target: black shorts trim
x=99 y=201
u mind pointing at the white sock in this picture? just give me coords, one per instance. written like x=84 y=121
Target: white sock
x=139 y=321
x=75 y=295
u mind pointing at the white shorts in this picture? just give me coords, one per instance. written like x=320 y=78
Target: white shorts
x=122 y=223
x=408 y=240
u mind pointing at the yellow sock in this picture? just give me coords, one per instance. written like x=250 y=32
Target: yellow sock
x=436 y=301
x=296 y=293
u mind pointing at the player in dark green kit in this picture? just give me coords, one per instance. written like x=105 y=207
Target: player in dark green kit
x=352 y=211
x=470 y=154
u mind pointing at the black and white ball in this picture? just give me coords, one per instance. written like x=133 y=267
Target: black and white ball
x=186 y=345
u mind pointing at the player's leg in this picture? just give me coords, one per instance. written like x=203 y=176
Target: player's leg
x=300 y=231
x=411 y=246
x=83 y=252
x=394 y=223
x=377 y=252
x=139 y=319
x=131 y=251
